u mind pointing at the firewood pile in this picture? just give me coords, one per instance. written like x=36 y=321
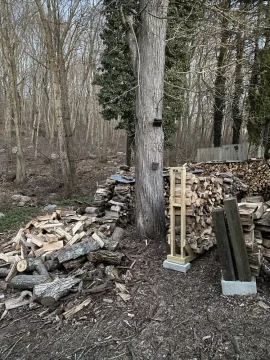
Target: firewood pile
x=252 y=212
x=255 y=216
x=255 y=174
x=65 y=252
x=203 y=194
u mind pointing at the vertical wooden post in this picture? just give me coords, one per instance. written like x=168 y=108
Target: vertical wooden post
x=186 y=254
x=172 y=211
x=237 y=239
x=223 y=245
x=183 y=211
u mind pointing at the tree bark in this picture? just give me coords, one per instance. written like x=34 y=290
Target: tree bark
x=149 y=139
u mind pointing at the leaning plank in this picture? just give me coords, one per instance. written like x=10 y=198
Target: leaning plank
x=67 y=314
x=223 y=245
x=105 y=256
x=28 y=281
x=237 y=239
x=48 y=294
x=74 y=251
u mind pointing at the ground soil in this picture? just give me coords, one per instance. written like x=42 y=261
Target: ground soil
x=170 y=315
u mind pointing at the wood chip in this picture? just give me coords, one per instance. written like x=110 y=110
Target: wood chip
x=67 y=314
x=98 y=240
x=77 y=227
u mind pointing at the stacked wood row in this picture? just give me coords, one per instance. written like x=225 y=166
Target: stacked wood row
x=203 y=194
x=255 y=174
x=252 y=211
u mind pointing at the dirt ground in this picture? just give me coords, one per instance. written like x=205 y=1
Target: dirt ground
x=169 y=316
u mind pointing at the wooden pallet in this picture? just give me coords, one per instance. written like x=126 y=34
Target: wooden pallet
x=186 y=254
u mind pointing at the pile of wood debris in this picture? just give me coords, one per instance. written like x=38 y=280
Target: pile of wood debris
x=61 y=252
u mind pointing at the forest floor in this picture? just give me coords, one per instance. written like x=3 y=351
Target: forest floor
x=170 y=315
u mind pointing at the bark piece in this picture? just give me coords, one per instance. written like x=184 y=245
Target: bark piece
x=28 y=281
x=105 y=256
x=48 y=294
x=77 y=250
x=72 y=264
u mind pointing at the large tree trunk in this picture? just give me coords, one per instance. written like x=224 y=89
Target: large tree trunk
x=149 y=139
x=220 y=90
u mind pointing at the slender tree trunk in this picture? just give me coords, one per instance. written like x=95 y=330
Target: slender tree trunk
x=149 y=140
x=238 y=89
x=220 y=83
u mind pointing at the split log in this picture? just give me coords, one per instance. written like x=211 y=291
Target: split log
x=28 y=281
x=74 y=251
x=105 y=256
x=12 y=272
x=48 y=294
x=118 y=234
x=31 y=265
x=110 y=244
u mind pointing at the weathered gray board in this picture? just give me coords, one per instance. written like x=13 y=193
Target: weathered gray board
x=236 y=152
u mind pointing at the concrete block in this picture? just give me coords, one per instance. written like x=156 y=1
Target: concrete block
x=239 y=287
x=176 y=267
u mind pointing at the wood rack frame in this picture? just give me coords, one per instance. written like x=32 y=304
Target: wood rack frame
x=186 y=254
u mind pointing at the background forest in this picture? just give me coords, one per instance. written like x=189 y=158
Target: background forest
x=68 y=88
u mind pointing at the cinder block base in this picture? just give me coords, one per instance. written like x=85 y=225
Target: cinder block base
x=177 y=267
x=239 y=287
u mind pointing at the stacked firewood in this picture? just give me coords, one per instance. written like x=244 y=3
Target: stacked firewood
x=252 y=211
x=203 y=194
x=255 y=174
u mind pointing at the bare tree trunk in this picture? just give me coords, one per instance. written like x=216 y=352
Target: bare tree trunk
x=149 y=139
x=220 y=82
x=238 y=90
